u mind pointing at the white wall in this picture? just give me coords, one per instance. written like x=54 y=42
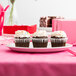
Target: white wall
x=29 y=11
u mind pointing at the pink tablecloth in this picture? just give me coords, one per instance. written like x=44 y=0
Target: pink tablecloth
x=36 y=64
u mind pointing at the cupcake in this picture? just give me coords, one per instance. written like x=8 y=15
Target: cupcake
x=22 y=38
x=40 y=39
x=58 y=38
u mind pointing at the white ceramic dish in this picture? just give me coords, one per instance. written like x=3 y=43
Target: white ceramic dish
x=31 y=49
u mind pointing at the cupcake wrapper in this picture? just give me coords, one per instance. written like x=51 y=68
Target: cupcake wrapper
x=42 y=42
x=55 y=42
x=22 y=42
x=58 y=40
x=40 y=39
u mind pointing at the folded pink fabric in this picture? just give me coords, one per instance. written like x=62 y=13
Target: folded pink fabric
x=72 y=50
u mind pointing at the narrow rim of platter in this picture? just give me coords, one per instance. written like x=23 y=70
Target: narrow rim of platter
x=31 y=49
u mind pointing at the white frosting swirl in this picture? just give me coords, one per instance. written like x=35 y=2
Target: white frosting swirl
x=21 y=33
x=40 y=33
x=58 y=34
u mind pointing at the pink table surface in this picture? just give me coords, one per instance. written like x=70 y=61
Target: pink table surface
x=36 y=64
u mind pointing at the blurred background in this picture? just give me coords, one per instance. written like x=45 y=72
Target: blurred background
x=29 y=11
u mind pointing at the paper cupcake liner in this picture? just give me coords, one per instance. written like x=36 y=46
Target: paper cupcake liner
x=59 y=39
x=40 y=42
x=22 y=42
x=55 y=42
